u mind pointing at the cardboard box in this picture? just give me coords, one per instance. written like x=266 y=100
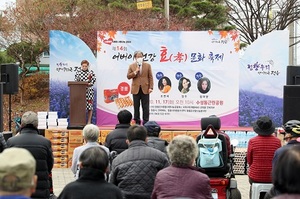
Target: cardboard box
x=61 y=159
x=62 y=152
x=166 y=135
x=75 y=136
x=193 y=134
x=56 y=133
x=72 y=146
x=175 y=133
x=59 y=140
x=59 y=147
x=103 y=135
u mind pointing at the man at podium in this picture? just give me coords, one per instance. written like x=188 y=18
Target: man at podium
x=85 y=75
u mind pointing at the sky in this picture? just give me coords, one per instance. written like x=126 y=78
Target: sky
x=3 y=3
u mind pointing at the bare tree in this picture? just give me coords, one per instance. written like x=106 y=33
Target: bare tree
x=254 y=18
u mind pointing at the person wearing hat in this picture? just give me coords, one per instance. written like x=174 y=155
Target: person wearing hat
x=153 y=140
x=40 y=147
x=261 y=149
x=17 y=174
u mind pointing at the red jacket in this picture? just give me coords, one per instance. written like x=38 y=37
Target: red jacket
x=260 y=154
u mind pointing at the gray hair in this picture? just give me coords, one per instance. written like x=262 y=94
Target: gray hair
x=137 y=52
x=91 y=133
x=182 y=150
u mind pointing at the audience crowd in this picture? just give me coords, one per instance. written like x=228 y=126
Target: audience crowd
x=144 y=167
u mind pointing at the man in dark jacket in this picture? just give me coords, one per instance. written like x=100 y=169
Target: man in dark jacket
x=40 y=148
x=116 y=140
x=134 y=170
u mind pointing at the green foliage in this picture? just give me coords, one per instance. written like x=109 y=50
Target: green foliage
x=4 y=58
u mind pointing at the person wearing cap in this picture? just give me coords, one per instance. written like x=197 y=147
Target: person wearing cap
x=17 y=174
x=292 y=136
x=116 y=139
x=91 y=184
x=153 y=140
x=142 y=85
x=90 y=134
x=261 y=149
x=40 y=147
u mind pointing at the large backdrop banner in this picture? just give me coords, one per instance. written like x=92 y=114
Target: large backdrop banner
x=241 y=85
x=210 y=57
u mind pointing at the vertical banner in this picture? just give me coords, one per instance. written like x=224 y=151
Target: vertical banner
x=262 y=76
x=66 y=53
x=200 y=68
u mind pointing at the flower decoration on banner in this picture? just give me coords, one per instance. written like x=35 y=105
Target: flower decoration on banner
x=106 y=37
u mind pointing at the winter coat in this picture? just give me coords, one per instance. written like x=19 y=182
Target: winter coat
x=134 y=170
x=193 y=183
x=91 y=184
x=116 y=139
x=40 y=148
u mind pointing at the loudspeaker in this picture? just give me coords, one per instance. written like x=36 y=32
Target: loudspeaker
x=10 y=77
x=291 y=103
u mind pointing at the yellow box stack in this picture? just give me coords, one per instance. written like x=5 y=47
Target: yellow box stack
x=75 y=140
x=59 y=139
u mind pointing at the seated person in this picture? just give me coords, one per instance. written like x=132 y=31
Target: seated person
x=93 y=163
x=153 y=140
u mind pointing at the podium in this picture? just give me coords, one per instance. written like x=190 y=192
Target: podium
x=77 y=117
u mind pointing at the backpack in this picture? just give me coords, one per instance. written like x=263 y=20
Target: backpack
x=210 y=153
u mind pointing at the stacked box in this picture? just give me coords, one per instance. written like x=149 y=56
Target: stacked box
x=193 y=134
x=166 y=135
x=240 y=164
x=42 y=120
x=52 y=120
x=103 y=134
x=59 y=139
x=75 y=140
x=175 y=133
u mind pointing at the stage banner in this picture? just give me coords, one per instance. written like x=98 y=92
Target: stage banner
x=207 y=62
x=262 y=76
x=66 y=53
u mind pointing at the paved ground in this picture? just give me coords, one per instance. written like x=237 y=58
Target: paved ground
x=63 y=176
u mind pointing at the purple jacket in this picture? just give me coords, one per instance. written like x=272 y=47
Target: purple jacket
x=186 y=182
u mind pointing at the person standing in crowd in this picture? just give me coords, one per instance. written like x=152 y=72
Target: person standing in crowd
x=261 y=149
x=40 y=148
x=286 y=178
x=17 y=174
x=84 y=74
x=153 y=140
x=116 y=139
x=91 y=184
x=90 y=134
x=184 y=85
x=182 y=152
x=142 y=85
x=134 y=170
x=292 y=136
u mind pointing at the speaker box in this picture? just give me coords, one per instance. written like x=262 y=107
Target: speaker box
x=10 y=77
x=291 y=103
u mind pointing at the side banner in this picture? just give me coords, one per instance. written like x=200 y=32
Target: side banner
x=210 y=57
x=66 y=53
x=262 y=76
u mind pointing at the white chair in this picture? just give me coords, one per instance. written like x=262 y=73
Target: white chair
x=257 y=188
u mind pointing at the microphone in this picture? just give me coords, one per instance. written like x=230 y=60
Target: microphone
x=139 y=64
